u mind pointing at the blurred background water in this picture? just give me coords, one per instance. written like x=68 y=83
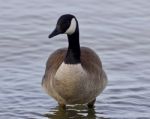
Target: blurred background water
x=118 y=30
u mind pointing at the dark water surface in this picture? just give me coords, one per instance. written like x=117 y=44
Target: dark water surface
x=118 y=30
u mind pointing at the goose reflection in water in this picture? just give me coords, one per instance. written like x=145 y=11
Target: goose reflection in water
x=72 y=112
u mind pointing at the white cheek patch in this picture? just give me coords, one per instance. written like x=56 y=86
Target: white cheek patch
x=72 y=27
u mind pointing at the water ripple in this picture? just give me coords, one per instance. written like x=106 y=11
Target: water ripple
x=117 y=30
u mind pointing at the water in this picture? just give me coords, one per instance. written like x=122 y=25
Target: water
x=118 y=30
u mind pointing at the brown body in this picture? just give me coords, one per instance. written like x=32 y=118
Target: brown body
x=74 y=87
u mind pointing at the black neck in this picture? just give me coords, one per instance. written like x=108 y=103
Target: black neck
x=73 y=53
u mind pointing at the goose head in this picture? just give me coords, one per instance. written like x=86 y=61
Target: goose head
x=66 y=24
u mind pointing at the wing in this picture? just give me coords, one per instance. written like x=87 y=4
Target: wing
x=90 y=60
x=92 y=64
x=54 y=61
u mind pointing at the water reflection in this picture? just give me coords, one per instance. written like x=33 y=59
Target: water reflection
x=72 y=112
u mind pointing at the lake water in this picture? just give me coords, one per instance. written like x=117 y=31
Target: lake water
x=118 y=30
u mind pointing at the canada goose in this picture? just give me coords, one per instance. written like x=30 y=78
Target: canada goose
x=73 y=75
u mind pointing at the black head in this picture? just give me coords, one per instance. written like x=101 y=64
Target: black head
x=66 y=24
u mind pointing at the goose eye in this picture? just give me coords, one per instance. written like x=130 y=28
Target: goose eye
x=65 y=25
